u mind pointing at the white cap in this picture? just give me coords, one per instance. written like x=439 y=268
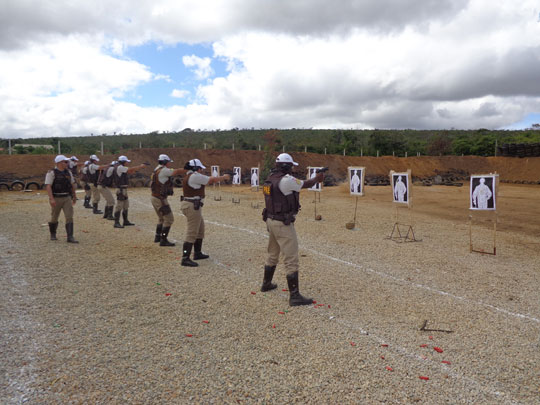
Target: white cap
x=123 y=159
x=74 y=158
x=114 y=162
x=196 y=162
x=285 y=158
x=94 y=157
x=85 y=163
x=164 y=157
x=60 y=158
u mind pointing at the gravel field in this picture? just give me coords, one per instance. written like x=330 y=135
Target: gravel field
x=116 y=319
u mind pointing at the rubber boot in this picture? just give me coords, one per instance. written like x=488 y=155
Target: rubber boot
x=96 y=211
x=117 y=223
x=157 y=238
x=69 y=230
x=126 y=222
x=186 y=252
x=52 y=229
x=164 y=233
x=87 y=202
x=105 y=212
x=267 y=284
x=199 y=255
x=295 y=298
x=109 y=213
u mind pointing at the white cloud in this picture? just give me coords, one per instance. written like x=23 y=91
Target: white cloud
x=378 y=64
x=179 y=93
x=202 y=70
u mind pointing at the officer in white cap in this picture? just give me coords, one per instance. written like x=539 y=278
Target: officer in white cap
x=162 y=187
x=92 y=175
x=192 y=202
x=85 y=185
x=73 y=166
x=122 y=182
x=60 y=185
x=282 y=200
x=104 y=184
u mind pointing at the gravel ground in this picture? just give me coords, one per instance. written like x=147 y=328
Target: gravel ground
x=116 y=319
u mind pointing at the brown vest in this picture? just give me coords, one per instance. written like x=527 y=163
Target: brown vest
x=191 y=192
x=160 y=190
x=278 y=205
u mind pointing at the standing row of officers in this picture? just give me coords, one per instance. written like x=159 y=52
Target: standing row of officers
x=281 y=193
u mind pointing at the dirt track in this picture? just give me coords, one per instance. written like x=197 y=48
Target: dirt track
x=92 y=322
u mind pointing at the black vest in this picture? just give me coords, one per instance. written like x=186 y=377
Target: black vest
x=61 y=185
x=92 y=178
x=121 y=181
x=104 y=180
x=278 y=205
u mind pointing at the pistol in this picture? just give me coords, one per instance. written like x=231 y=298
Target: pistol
x=321 y=170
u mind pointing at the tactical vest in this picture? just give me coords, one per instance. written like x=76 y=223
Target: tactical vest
x=104 y=180
x=73 y=168
x=92 y=177
x=61 y=186
x=159 y=189
x=84 y=174
x=122 y=181
x=191 y=192
x=279 y=206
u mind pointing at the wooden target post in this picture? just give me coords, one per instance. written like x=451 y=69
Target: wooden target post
x=215 y=172
x=317 y=188
x=356 y=175
x=236 y=180
x=484 y=189
x=402 y=198
x=254 y=184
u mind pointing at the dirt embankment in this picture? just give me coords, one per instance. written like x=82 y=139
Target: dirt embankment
x=514 y=170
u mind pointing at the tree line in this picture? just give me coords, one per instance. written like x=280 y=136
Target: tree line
x=372 y=142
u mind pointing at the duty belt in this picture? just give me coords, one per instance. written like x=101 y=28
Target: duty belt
x=61 y=194
x=281 y=217
x=191 y=199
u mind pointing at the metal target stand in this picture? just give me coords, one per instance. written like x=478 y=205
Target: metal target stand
x=482 y=251
x=406 y=232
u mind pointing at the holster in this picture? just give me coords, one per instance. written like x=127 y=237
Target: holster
x=165 y=209
x=264 y=214
x=86 y=187
x=197 y=204
x=120 y=196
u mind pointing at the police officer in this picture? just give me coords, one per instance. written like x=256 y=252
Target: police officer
x=282 y=199
x=92 y=175
x=60 y=185
x=85 y=185
x=104 y=183
x=122 y=182
x=192 y=202
x=73 y=166
x=162 y=187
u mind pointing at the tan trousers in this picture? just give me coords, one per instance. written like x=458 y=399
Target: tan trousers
x=62 y=203
x=95 y=193
x=121 y=204
x=165 y=220
x=106 y=193
x=195 y=222
x=87 y=193
x=282 y=239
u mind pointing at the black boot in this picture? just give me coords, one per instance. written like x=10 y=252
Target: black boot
x=105 y=212
x=117 y=220
x=186 y=261
x=199 y=255
x=267 y=284
x=87 y=202
x=109 y=213
x=69 y=230
x=125 y=215
x=96 y=211
x=164 y=233
x=157 y=238
x=52 y=229
x=295 y=298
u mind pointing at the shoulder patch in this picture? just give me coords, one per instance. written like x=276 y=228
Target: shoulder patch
x=298 y=181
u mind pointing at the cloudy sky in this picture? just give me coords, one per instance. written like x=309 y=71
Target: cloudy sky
x=75 y=67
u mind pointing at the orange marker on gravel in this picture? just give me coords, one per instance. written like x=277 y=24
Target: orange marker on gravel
x=389 y=368
x=206 y=321
x=423 y=377
x=438 y=349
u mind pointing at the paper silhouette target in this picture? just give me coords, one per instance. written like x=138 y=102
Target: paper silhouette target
x=483 y=192
x=254 y=177
x=356 y=180
x=215 y=171
x=401 y=183
x=237 y=175
x=312 y=172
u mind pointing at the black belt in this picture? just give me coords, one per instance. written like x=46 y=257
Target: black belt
x=280 y=217
x=61 y=194
x=191 y=199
